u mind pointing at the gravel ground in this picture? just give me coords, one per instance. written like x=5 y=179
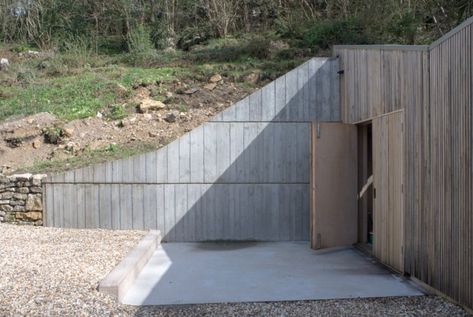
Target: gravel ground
x=55 y=272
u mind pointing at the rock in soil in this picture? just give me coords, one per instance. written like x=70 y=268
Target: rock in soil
x=149 y=104
x=215 y=78
x=211 y=86
x=170 y=117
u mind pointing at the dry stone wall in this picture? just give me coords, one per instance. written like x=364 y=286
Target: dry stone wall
x=21 y=199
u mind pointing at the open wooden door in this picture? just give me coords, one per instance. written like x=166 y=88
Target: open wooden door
x=388 y=213
x=333 y=212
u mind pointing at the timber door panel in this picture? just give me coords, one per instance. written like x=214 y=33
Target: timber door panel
x=388 y=211
x=333 y=215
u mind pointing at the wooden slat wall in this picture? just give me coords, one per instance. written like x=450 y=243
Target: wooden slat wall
x=440 y=218
x=243 y=175
x=434 y=86
x=388 y=211
x=377 y=80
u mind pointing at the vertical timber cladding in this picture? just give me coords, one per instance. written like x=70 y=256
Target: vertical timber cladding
x=443 y=253
x=378 y=80
x=434 y=87
x=388 y=213
x=242 y=176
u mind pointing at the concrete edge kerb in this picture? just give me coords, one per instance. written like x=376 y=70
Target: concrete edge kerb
x=120 y=279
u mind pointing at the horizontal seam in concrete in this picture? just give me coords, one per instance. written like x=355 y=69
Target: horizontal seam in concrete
x=174 y=183
x=120 y=279
x=246 y=121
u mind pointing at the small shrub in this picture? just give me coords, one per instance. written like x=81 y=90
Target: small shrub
x=182 y=108
x=25 y=77
x=328 y=33
x=20 y=48
x=112 y=148
x=76 y=51
x=258 y=47
x=404 y=28
x=192 y=36
x=53 y=135
x=139 y=41
x=140 y=48
x=117 y=112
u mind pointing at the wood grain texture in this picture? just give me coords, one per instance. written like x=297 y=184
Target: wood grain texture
x=388 y=213
x=333 y=215
x=434 y=86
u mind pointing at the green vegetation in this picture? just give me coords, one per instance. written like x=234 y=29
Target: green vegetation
x=76 y=83
x=110 y=152
x=140 y=27
x=78 y=58
x=97 y=51
x=74 y=96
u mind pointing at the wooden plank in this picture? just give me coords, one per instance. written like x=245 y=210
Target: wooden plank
x=92 y=211
x=170 y=212
x=58 y=206
x=49 y=204
x=137 y=194
x=151 y=168
x=282 y=113
x=334 y=219
x=197 y=155
x=184 y=159
x=268 y=102
x=126 y=206
x=173 y=167
x=160 y=207
x=180 y=227
x=303 y=91
x=256 y=107
x=115 y=204
x=210 y=153
x=162 y=165
x=242 y=109
x=150 y=205
x=105 y=206
x=69 y=217
x=81 y=206
x=222 y=154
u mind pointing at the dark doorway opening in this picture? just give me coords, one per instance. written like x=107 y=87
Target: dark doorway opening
x=365 y=186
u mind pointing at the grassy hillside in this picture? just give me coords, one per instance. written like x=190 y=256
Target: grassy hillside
x=102 y=93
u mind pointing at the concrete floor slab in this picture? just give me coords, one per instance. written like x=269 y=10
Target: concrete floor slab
x=197 y=273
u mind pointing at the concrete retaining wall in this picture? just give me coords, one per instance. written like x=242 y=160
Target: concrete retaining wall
x=244 y=175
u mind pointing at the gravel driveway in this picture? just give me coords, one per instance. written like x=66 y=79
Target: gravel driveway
x=55 y=272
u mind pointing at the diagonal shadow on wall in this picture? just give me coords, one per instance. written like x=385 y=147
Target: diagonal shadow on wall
x=262 y=191
x=256 y=185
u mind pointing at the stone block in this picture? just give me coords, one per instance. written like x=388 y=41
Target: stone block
x=20 y=196
x=17 y=202
x=9 y=217
x=23 y=190
x=6 y=195
x=6 y=208
x=19 y=209
x=37 y=179
x=34 y=203
x=21 y=177
x=4 y=179
x=36 y=189
x=33 y=215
